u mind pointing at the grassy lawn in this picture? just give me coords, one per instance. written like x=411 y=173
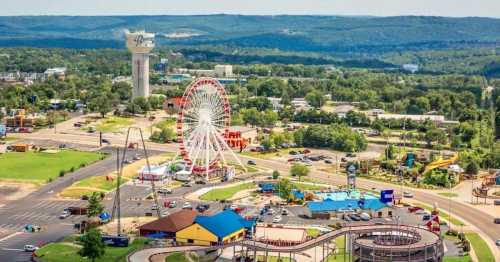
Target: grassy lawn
x=113 y=124
x=447 y=194
x=442 y=214
x=281 y=152
x=480 y=247
x=89 y=185
x=340 y=253
x=465 y=258
x=302 y=186
x=176 y=257
x=225 y=193
x=68 y=252
x=167 y=123
x=40 y=166
x=312 y=232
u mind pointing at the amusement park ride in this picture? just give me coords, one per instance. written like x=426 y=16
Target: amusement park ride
x=203 y=128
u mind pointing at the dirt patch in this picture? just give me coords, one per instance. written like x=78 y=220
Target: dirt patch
x=14 y=191
x=128 y=224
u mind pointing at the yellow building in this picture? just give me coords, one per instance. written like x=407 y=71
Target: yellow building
x=224 y=227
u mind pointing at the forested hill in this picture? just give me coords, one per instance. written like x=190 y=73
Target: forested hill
x=292 y=33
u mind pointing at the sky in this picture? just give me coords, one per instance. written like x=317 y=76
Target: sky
x=453 y=8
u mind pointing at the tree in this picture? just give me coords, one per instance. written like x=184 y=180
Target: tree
x=94 y=207
x=250 y=116
x=315 y=99
x=285 y=188
x=101 y=104
x=266 y=143
x=268 y=118
x=276 y=174
x=299 y=170
x=142 y=103
x=92 y=245
x=472 y=167
x=435 y=135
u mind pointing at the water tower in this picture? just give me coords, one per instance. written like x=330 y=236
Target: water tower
x=140 y=44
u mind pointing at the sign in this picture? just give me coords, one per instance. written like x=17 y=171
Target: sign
x=387 y=196
x=3 y=130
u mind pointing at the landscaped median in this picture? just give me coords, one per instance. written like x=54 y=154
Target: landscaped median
x=107 y=183
x=44 y=166
x=481 y=248
x=225 y=193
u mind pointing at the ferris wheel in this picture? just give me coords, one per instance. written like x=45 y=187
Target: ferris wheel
x=203 y=122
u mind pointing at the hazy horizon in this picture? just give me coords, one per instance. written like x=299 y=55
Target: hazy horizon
x=381 y=8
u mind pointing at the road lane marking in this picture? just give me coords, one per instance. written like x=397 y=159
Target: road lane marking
x=10 y=236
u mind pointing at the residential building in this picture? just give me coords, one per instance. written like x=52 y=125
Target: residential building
x=58 y=72
x=300 y=104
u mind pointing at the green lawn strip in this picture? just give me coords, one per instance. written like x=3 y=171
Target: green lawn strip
x=226 y=192
x=480 y=247
x=312 y=232
x=442 y=214
x=41 y=166
x=303 y=186
x=64 y=252
x=167 y=123
x=465 y=258
x=99 y=182
x=113 y=124
x=176 y=257
x=447 y=194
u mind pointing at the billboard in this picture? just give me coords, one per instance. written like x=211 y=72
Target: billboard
x=3 y=130
x=387 y=196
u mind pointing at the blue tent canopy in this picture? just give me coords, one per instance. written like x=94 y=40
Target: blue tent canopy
x=105 y=216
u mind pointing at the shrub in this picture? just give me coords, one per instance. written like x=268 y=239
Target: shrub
x=62 y=173
x=72 y=169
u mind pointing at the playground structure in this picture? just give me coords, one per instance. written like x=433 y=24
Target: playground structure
x=203 y=128
x=489 y=188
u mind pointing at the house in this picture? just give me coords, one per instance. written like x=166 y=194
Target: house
x=276 y=103
x=168 y=226
x=300 y=104
x=154 y=172
x=223 y=227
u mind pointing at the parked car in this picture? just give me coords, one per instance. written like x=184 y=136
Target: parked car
x=202 y=207
x=496 y=220
x=251 y=162
x=30 y=248
x=426 y=217
x=200 y=182
x=414 y=209
x=165 y=191
x=105 y=141
x=496 y=202
x=355 y=217
x=270 y=211
x=293 y=153
x=187 y=205
x=350 y=155
x=497 y=242
x=172 y=204
x=365 y=216
x=77 y=124
x=64 y=214
x=421 y=212
x=328 y=161
x=284 y=212
x=277 y=219
x=137 y=157
x=407 y=194
x=127 y=161
x=186 y=184
x=154 y=207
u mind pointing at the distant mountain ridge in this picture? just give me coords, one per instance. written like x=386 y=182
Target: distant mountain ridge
x=286 y=32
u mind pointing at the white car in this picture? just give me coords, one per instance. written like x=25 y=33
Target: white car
x=277 y=219
x=497 y=242
x=64 y=214
x=154 y=207
x=407 y=194
x=165 y=213
x=30 y=248
x=187 y=205
x=233 y=207
x=270 y=211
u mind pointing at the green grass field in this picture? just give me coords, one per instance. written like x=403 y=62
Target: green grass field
x=457 y=259
x=113 y=124
x=176 y=257
x=482 y=250
x=302 y=186
x=91 y=184
x=67 y=252
x=340 y=254
x=38 y=167
x=312 y=232
x=225 y=193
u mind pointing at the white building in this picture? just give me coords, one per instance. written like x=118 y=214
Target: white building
x=276 y=103
x=56 y=71
x=413 y=68
x=223 y=70
x=140 y=44
x=300 y=104
x=438 y=119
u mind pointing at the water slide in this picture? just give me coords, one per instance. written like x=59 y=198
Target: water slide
x=441 y=163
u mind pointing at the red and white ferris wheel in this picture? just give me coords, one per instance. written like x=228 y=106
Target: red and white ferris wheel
x=204 y=119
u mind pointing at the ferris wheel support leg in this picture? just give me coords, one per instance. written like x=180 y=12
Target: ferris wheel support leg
x=207 y=156
x=232 y=153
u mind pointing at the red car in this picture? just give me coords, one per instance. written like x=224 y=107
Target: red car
x=414 y=209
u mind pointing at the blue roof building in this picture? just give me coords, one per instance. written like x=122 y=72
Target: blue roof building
x=224 y=223
x=268 y=188
x=345 y=205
